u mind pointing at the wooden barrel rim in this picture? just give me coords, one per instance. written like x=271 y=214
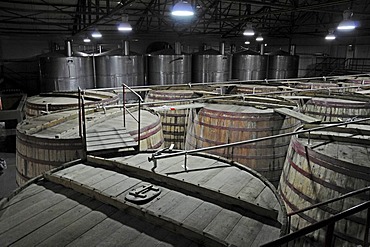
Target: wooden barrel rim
x=72 y=143
x=242 y=128
x=353 y=105
x=269 y=116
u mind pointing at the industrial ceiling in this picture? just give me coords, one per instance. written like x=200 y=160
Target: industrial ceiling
x=225 y=19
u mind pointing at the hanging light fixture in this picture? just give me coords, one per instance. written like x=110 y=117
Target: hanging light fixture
x=96 y=34
x=330 y=35
x=87 y=39
x=249 y=30
x=259 y=38
x=247 y=42
x=182 y=8
x=124 y=26
x=347 y=23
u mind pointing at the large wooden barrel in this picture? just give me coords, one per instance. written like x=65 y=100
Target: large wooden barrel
x=315 y=85
x=174 y=122
x=217 y=124
x=55 y=101
x=323 y=170
x=336 y=109
x=45 y=142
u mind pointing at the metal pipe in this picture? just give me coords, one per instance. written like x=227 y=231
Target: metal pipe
x=177 y=48
x=124 y=105
x=262 y=49
x=292 y=49
x=127 y=48
x=68 y=48
x=138 y=95
x=255 y=140
x=353 y=193
x=222 y=48
x=318 y=225
x=79 y=113
x=138 y=128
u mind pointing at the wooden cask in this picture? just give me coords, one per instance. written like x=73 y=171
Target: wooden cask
x=323 y=170
x=174 y=122
x=335 y=109
x=55 y=101
x=45 y=142
x=253 y=89
x=217 y=124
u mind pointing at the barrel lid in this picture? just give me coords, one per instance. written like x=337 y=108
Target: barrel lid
x=116 y=52
x=279 y=53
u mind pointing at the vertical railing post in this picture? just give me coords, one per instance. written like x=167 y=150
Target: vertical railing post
x=79 y=113
x=138 y=128
x=84 y=126
x=124 y=105
x=329 y=235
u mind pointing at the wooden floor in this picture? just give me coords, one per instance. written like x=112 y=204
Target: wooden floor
x=210 y=204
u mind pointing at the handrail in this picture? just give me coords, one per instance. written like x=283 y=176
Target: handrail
x=186 y=152
x=318 y=225
x=126 y=110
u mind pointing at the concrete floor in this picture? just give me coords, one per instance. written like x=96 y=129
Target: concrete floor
x=7 y=152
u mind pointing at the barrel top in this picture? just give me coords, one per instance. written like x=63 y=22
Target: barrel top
x=123 y=201
x=64 y=124
x=237 y=109
x=336 y=100
x=348 y=144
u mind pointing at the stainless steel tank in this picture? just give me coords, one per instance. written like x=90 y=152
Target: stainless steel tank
x=114 y=68
x=59 y=72
x=249 y=65
x=282 y=65
x=211 y=66
x=168 y=68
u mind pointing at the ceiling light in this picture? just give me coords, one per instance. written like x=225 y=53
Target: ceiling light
x=259 y=38
x=124 y=26
x=330 y=35
x=182 y=8
x=87 y=39
x=249 y=30
x=247 y=42
x=96 y=34
x=347 y=23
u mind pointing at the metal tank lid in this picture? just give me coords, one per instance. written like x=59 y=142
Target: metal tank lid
x=247 y=52
x=116 y=52
x=279 y=53
x=208 y=52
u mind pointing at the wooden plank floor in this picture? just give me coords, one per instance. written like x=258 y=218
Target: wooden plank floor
x=60 y=209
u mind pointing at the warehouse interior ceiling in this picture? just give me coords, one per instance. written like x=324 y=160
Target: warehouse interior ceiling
x=224 y=19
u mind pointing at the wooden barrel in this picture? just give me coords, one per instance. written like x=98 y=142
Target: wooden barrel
x=48 y=141
x=217 y=124
x=315 y=85
x=174 y=122
x=359 y=80
x=336 y=109
x=324 y=170
x=55 y=101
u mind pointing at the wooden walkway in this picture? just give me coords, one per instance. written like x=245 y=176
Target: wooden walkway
x=212 y=204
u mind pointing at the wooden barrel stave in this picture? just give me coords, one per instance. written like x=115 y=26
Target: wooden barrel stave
x=310 y=176
x=212 y=126
x=174 y=122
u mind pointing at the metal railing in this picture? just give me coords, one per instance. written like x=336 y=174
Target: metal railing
x=138 y=120
x=329 y=222
x=154 y=157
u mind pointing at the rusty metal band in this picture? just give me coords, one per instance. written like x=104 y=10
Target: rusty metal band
x=342 y=167
x=201 y=123
x=173 y=113
x=158 y=145
x=325 y=208
x=41 y=162
x=52 y=145
x=22 y=176
x=148 y=134
x=204 y=112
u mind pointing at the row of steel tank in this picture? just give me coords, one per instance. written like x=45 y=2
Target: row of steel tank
x=63 y=72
